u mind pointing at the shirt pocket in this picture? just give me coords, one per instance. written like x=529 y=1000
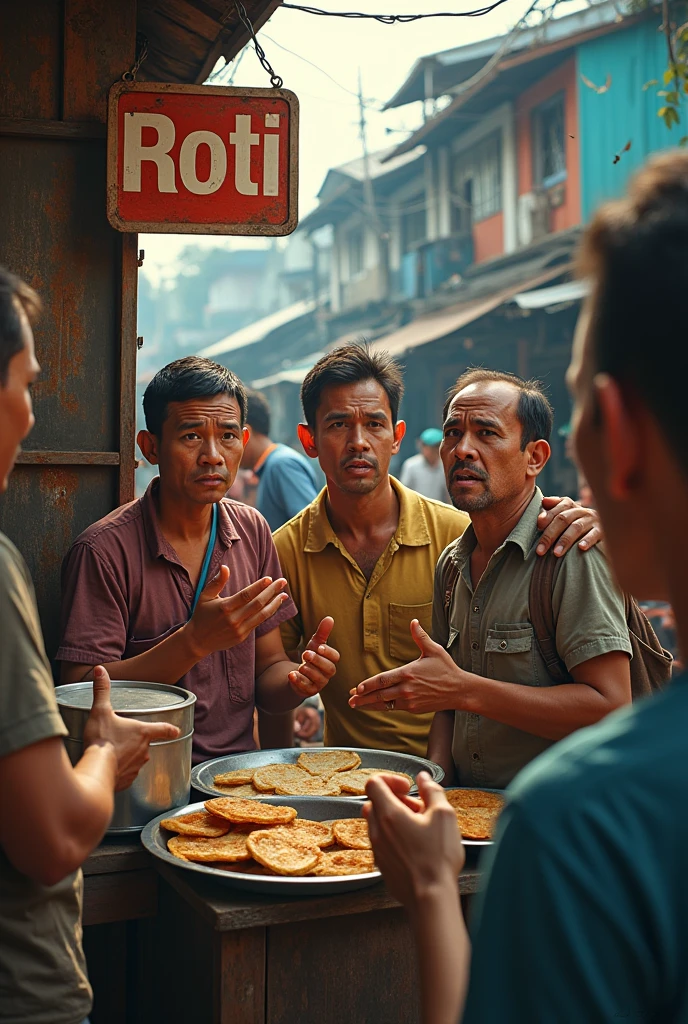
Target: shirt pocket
x=402 y=646
x=510 y=654
x=139 y=645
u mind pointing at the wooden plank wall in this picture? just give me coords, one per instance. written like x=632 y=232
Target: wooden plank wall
x=57 y=63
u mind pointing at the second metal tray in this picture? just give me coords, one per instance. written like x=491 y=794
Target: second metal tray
x=202 y=775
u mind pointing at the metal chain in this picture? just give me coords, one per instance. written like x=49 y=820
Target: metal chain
x=275 y=81
x=141 y=54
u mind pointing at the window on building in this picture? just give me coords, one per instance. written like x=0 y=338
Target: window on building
x=549 y=142
x=356 y=251
x=413 y=222
x=477 y=183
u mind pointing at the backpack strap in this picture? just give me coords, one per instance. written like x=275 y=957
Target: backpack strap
x=541 y=613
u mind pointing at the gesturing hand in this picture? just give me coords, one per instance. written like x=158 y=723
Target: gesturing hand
x=417 y=843
x=319 y=662
x=130 y=739
x=431 y=683
x=222 y=622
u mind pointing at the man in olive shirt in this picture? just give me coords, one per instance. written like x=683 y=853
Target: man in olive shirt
x=583 y=912
x=367 y=547
x=484 y=675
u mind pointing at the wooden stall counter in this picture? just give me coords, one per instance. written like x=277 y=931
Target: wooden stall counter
x=223 y=957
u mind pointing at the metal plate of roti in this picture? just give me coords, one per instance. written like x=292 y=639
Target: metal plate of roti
x=154 y=838
x=203 y=775
x=483 y=789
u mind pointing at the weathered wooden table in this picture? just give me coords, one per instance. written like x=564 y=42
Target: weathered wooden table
x=191 y=950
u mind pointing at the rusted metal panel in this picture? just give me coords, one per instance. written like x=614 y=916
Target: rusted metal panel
x=99 y=46
x=38 y=129
x=55 y=234
x=30 y=48
x=44 y=458
x=127 y=411
x=44 y=509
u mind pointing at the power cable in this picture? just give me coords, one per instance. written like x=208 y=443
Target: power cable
x=395 y=19
x=370 y=104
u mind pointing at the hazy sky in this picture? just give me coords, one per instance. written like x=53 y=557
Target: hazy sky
x=329 y=113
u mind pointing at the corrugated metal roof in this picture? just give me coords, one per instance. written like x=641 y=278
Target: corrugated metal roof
x=260 y=329
x=438 y=325
x=569 y=291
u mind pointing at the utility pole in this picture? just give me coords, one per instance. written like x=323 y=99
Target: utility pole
x=369 y=197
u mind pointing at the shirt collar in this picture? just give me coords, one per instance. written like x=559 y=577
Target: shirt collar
x=412 y=529
x=158 y=545
x=523 y=534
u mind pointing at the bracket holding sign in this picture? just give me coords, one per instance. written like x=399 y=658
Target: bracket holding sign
x=209 y=160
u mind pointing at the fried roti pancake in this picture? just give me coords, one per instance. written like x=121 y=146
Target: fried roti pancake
x=239 y=777
x=352 y=833
x=270 y=776
x=311 y=785
x=246 y=792
x=231 y=847
x=285 y=855
x=250 y=810
x=354 y=781
x=476 y=822
x=327 y=762
x=197 y=823
x=474 y=798
x=246 y=867
x=345 y=862
x=315 y=833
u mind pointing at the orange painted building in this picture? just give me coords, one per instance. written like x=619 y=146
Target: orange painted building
x=488 y=237
x=565 y=194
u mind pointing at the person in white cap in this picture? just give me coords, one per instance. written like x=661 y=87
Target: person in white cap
x=424 y=472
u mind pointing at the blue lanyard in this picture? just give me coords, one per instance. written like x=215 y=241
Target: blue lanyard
x=202 y=579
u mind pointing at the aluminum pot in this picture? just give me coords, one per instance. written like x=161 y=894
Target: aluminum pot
x=165 y=781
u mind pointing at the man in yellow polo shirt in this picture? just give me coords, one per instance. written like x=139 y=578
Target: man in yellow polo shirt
x=365 y=550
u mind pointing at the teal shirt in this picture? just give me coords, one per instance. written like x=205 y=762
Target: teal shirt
x=584 y=915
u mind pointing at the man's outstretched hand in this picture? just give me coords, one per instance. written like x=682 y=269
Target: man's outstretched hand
x=431 y=683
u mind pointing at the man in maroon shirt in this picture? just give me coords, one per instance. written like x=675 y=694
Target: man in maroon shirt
x=130 y=583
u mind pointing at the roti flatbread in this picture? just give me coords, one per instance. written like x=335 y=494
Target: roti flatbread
x=269 y=776
x=238 y=777
x=316 y=833
x=246 y=791
x=310 y=785
x=352 y=833
x=474 y=798
x=354 y=781
x=285 y=855
x=197 y=823
x=226 y=848
x=345 y=862
x=238 y=810
x=327 y=762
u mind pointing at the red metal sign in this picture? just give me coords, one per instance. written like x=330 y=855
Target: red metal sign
x=202 y=159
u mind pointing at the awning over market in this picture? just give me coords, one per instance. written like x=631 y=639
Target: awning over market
x=553 y=297
x=259 y=330
x=437 y=325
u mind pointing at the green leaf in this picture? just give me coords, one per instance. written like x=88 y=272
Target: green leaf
x=662 y=112
x=672 y=97
x=648 y=85
x=668 y=75
x=683 y=141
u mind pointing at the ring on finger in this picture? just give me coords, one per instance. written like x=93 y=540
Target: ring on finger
x=389 y=705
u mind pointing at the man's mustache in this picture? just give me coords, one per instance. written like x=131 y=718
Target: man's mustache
x=470 y=469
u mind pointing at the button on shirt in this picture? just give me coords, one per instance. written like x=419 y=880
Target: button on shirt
x=124 y=590
x=287 y=484
x=372 y=618
x=489 y=632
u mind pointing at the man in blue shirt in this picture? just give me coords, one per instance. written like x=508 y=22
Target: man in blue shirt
x=287 y=482
x=583 y=918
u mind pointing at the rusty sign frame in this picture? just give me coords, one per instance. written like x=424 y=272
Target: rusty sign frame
x=179 y=228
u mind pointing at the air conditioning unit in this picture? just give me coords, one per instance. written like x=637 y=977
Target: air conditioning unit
x=533 y=216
